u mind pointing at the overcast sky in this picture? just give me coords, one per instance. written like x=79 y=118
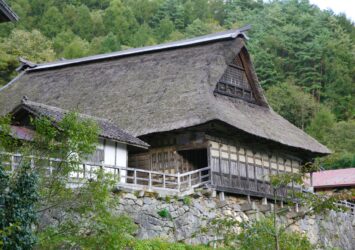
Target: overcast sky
x=338 y=6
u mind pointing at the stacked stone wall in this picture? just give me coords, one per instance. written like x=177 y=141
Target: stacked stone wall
x=189 y=219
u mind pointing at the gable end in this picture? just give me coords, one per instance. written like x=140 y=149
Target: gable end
x=239 y=81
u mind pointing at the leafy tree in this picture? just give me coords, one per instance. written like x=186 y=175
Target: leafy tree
x=322 y=124
x=110 y=43
x=77 y=48
x=340 y=139
x=143 y=36
x=83 y=26
x=52 y=22
x=259 y=235
x=165 y=28
x=292 y=103
x=197 y=28
x=98 y=28
x=32 y=46
x=18 y=194
x=119 y=20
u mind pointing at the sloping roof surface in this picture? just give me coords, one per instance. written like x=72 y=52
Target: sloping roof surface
x=334 y=178
x=6 y=14
x=156 y=91
x=107 y=129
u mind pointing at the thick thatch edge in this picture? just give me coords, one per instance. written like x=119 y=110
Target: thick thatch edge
x=24 y=106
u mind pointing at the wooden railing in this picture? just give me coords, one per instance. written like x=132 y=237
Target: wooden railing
x=134 y=178
x=348 y=205
x=160 y=181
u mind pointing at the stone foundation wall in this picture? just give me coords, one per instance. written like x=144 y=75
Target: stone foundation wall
x=189 y=219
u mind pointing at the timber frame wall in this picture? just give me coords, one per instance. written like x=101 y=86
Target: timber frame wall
x=238 y=163
x=237 y=169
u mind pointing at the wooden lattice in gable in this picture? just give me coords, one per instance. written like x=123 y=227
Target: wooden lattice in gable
x=234 y=82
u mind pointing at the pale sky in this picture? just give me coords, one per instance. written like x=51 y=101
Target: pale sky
x=337 y=6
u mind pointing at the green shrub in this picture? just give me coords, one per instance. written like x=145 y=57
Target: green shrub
x=164 y=213
x=260 y=235
x=187 y=200
x=167 y=199
x=157 y=244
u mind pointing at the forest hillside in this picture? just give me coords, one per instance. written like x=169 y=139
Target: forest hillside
x=304 y=57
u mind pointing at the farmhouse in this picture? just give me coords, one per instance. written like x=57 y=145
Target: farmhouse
x=196 y=102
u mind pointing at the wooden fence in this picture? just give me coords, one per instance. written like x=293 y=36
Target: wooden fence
x=132 y=178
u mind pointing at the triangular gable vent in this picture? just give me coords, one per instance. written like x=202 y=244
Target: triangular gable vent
x=235 y=83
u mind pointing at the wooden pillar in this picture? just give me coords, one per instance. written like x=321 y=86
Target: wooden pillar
x=220 y=163
x=221 y=196
x=263 y=171
x=255 y=177
x=270 y=173
x=238 y=169
x=247 y=169
x=293 y=188
x=209 y=160
x=230 y=167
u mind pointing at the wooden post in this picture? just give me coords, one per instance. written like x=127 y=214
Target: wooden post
x=12 y=163
x=84 y=170
x=150 y=180
x=221 y=196
x=255 y=177
x=209 y=159
x=134 y=177
x=178 y=181
x=164 y=181
x=199 y=176
x=293 y=188
x=270 y=173
x=247 y=168
x=32 y=162
x=238 y=168
x=190 y=181
x=220 y=163
x=263 y=171
x=230 y=167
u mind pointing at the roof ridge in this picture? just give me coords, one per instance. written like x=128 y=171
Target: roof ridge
x=222 y=35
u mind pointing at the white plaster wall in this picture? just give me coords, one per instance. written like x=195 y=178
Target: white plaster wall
x=122 y=159
x=116 y=154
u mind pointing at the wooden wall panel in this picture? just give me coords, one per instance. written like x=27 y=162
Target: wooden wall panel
x=240 y=168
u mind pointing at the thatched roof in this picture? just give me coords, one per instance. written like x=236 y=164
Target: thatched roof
x=162 y=88
x=107 y=129
x=6 y=14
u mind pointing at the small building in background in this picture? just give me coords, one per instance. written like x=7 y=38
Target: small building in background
x=333 y=180
x=6 y=14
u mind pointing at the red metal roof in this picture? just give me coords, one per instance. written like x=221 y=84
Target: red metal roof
x=22 y=133
x=334 y=178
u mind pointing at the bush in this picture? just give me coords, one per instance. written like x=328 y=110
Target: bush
x=158 y=244
x=187 y=200
x=260 y=235
x=164 y=213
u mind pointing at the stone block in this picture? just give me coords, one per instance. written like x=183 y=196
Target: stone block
x=266 y=207
x=248 y=206
x=129 y=196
